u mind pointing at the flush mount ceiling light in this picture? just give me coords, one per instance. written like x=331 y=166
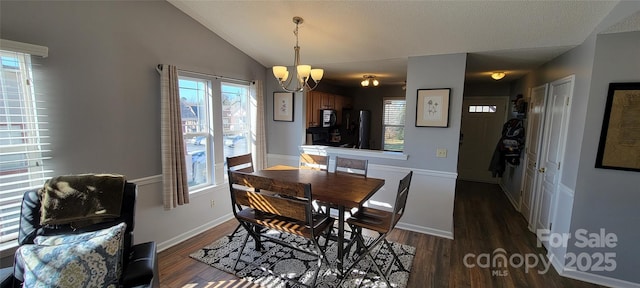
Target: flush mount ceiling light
x=497 y=75
x=303 y=72
x=369 y=80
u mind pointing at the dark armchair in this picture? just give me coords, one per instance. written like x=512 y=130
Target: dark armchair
x=139 y=267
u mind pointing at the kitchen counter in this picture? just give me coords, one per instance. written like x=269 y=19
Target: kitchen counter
x=366 y=153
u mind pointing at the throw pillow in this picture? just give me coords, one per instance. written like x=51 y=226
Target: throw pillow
x=92 y=259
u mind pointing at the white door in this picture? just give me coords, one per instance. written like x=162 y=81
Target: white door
x=482 y=120
x=535 y=118
x=549 y=168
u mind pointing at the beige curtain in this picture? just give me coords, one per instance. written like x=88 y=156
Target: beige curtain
x=257 y=93
x=174 y=173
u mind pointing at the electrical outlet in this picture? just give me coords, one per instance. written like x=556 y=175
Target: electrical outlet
x=441 y=153
x=213 y=203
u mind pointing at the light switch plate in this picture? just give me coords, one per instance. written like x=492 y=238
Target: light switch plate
x=441 y=153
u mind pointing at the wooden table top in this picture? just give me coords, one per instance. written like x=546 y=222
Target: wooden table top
x=335 y=188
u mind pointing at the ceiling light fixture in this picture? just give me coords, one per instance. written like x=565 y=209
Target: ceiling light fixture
x=369 y=80
x=497 y=75
x=303 y=72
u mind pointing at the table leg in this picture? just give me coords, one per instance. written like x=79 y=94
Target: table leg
x=340 y=239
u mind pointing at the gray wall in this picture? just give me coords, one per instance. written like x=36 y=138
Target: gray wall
x=100 y=76
x=428 y=72
x=604 y=198
x=103 y=91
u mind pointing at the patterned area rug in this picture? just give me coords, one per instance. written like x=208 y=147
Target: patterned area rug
x=291 y=268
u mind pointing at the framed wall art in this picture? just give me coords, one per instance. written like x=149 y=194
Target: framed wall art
x=283 y=106
x=432 y=107
x=620 y=136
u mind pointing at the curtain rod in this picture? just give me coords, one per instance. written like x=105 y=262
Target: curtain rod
x=159 y=68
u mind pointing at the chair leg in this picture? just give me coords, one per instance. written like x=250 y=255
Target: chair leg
x=395 y=256
x=244 y=243
x=230 y=236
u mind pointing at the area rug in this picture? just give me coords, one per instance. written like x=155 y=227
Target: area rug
x=291 y=268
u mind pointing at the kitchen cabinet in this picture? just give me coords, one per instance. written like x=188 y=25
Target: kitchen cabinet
x=317 y=101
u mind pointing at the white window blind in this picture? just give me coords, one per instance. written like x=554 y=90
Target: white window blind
x=24 y=150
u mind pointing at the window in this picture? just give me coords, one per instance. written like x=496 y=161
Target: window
x=393 y=124
x=24 y=163
x=482 y=108
x=203 y=114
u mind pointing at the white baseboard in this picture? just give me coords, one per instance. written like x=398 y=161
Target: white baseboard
x=193 y=232
x=425 y=230
x=506 y=193
x=598 y=279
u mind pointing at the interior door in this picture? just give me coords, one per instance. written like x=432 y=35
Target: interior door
x=535 y=128
x=482 y=120
x=556 y=118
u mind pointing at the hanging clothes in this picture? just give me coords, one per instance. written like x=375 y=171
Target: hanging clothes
x=508 y=148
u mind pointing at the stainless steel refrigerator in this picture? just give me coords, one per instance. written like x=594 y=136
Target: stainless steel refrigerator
x=364 y=124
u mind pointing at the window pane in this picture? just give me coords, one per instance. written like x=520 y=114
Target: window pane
x=393 y=138
x=194 y=101
x=472 y=109
x=236 y=119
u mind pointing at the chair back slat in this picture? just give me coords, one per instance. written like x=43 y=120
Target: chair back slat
x=287 y=207
x=401 y=199
x=312 y=161
x=351 y=166
x=272 y=196
x=242 y=163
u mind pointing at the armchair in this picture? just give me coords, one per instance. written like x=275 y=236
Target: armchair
x=139 y=263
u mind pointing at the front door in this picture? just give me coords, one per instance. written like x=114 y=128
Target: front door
x=532 y=151
x=482 y=120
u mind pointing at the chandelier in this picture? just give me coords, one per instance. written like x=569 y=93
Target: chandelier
x=303 y=72
x=369 y=80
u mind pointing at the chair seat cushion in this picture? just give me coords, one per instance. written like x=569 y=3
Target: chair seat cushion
x=92 y=259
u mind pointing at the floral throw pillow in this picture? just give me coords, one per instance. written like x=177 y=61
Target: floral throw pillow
x=92 y=259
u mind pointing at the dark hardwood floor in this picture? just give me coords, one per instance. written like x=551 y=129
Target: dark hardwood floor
x=484 y=221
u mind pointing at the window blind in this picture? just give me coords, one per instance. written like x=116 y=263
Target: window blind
x=394 y=112
x=24 y=147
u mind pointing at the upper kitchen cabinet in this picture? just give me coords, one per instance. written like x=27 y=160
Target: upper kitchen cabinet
x=317 y=101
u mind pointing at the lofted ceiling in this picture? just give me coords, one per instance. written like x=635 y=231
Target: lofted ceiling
x=352 y=38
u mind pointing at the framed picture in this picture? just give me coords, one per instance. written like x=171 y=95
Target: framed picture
x=620 y=137
x=283 y=106
x=432 y=108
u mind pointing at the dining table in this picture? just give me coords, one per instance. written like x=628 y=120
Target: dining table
x=342 y=190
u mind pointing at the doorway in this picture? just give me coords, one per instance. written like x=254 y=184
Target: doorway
x=481 y=128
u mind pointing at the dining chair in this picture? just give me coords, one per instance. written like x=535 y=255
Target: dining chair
x=263 y=204
x=351 y=166
x=242 y=163
x=313 y=161
x=382 y=222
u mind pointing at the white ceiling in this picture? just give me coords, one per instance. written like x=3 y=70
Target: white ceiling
x=352 y=38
